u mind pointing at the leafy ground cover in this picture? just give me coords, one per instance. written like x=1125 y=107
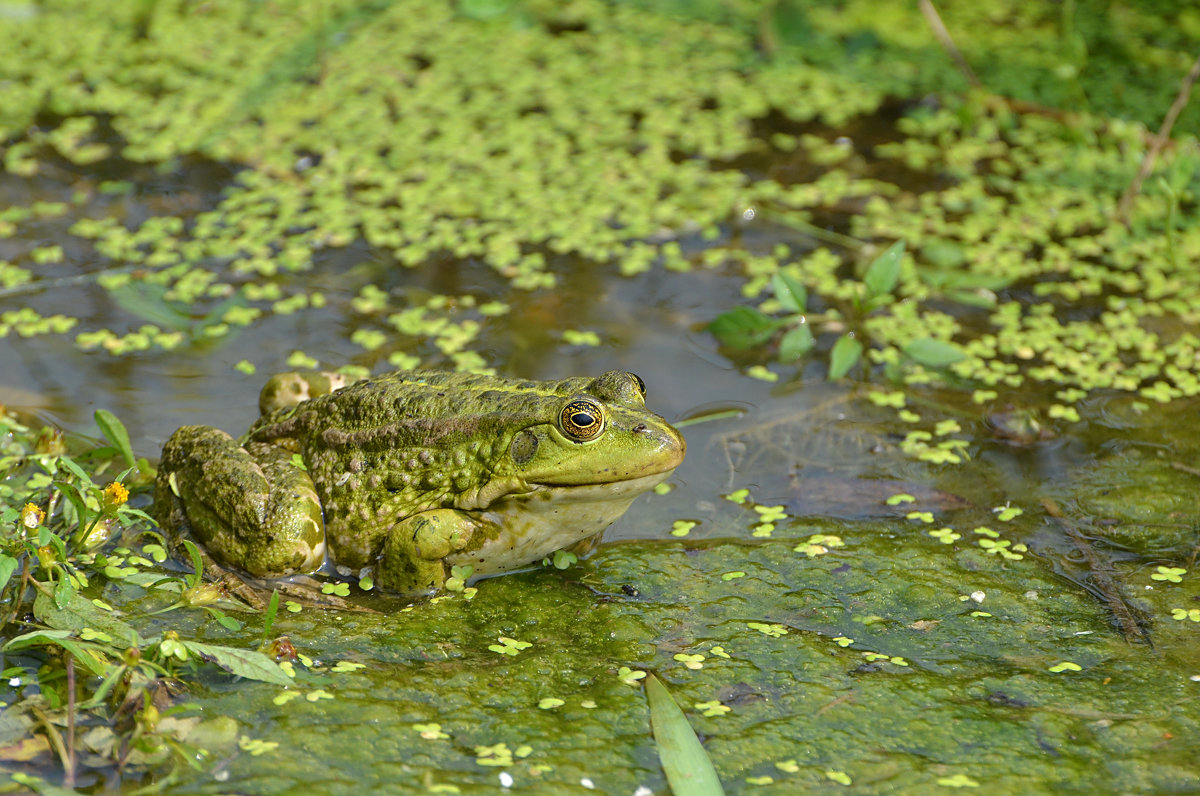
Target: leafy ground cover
x=798 y=192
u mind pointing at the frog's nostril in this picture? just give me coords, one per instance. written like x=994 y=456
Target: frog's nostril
x=640 y=428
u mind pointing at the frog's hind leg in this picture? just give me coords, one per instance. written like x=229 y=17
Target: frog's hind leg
x=252 y=508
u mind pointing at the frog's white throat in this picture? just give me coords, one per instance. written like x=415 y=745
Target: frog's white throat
x=548 y=518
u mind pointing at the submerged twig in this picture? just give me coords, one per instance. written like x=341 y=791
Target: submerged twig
x=1156 y=145
x=1101 y=573
x=939 y=30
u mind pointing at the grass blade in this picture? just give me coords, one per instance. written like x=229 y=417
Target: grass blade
x=688 y=769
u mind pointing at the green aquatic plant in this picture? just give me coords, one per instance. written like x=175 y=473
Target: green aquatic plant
x=81 y=679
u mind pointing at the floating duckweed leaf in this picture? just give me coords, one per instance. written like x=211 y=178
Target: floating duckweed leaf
x=581 y=338
x=509 y=646
x=630 y=676
x=895 y=399
x=738 y=496
x=299 y=359
x=284 y=697
x=564 y=559
x=762 y=373
x=945 y=535
x=497 y=755
x=771 y=513
x=840 y=777
x=318 y=694
x=957 y=781
x=712 y=708
x=682 y=527
x=689 y=770
x=255 y=746
x=347 y=666
x=774 y=631
x=899 y=498
x=1007 y=513
x=431 y=731
x=1169 y=574
x=733 y=575
x=1066 y=666
x=550 y=702
x=690 y=661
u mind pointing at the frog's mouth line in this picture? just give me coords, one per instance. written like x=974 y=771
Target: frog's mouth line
x=588 y=493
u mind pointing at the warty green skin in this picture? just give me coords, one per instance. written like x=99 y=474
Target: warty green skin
x=413 y=472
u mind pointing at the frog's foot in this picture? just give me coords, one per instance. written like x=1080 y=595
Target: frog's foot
x=415 y=550
x=250 y=507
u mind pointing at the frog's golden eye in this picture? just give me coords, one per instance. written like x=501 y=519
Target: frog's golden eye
x=582 y=419
x=641 y=385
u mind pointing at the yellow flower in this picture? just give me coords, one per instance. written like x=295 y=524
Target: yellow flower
x=115 y=494
x=32 y=516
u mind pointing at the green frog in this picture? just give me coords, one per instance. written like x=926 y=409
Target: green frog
x=414 y=472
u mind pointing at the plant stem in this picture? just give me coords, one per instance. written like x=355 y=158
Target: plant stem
x=69 y=779
x=1160 y=140
x=939 y=30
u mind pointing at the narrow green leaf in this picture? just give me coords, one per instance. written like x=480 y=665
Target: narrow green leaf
x=250 y=664
x=269 y=616
x=846 y=352
x=197 y=562
x=934 y=353
x=8 y=565
x=743 y=327
x=85 y=653
x=114 y=431
x=789 y=292
x=69 y=464
x=796 y=343
x=883 y=273
x=689 y=770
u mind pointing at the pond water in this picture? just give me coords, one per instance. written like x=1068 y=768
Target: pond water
x=813 y=632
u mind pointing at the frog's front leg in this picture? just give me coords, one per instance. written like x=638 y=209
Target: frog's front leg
x=251 y=507
x=414 y=552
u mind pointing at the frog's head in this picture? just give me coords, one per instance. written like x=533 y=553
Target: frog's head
x=601 y=435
